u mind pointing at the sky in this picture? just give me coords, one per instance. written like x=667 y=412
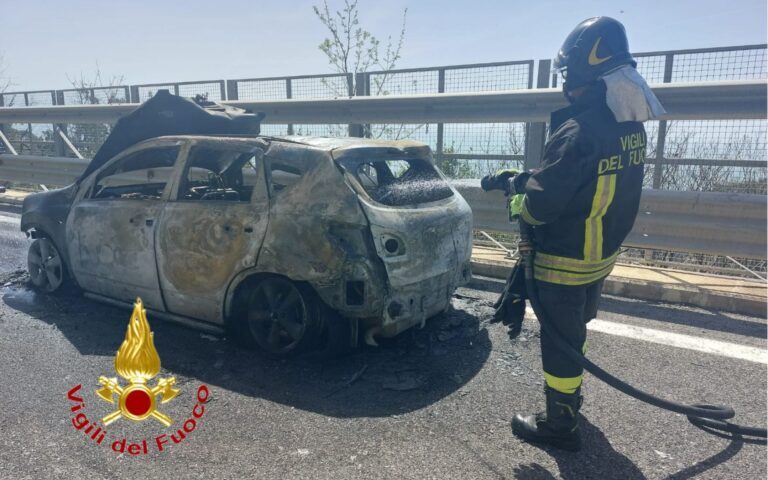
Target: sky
x=45 y=43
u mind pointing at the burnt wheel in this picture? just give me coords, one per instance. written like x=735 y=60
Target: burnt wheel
x=281 y=317
x=45 y=265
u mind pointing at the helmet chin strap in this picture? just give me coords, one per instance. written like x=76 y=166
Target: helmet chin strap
x=584 y=91
x=567 y=94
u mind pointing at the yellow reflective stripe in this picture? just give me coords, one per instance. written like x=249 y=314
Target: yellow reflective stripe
x=593 y=226
x=563 y=385
x=572 y=264
x=569 y=278
x=584 y=348
x=527 y=217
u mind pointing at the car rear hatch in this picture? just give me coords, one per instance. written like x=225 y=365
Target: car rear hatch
x=421 y=226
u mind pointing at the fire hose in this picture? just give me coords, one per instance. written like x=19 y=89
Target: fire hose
x=710 y=418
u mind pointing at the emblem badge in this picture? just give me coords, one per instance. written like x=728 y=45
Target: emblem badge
x=593 y=58
x=137 y=362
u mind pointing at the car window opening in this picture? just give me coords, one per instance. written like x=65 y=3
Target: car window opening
x=283 y=176
x=142 y=175
x=402 y=182
x=215 y=175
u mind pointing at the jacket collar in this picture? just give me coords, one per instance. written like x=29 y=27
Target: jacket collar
x=593 y=98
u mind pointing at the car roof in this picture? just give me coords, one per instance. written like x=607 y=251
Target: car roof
x=343 y=143
x=323 y=143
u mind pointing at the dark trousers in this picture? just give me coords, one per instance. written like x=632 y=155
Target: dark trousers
x=569 y=308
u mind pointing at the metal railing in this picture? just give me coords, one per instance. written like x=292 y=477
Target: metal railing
x=683 y=101
x=708 y=155
x=673 y=162
x=729 y=224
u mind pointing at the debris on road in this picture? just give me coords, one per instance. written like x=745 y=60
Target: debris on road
x=405 y=381
x=355 y=377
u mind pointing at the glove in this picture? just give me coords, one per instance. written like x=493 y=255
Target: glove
x=510 y=307
x=515 y=206
x=517 y=184
x=498 y=181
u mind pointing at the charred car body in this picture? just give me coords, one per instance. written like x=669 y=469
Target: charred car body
x=265 y=236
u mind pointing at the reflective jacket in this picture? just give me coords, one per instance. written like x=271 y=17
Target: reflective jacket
x=584 y=199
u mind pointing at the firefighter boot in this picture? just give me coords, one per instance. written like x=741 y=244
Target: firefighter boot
x=558 y=426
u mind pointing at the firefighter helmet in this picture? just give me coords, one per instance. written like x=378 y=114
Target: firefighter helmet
x=596 y=46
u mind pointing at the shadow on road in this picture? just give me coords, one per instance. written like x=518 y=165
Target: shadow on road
x=413 y=371
x=699 y=318
x=720 y=457
x=598 y=459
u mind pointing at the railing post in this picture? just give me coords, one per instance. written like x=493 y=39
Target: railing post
x=59 y=145
x=289 y=95
x=2 y=127
x=536 y=133
x=661 y=140
x=356 y=129
x=440 y=126
x=350 y=85
x=232 y=93
x=29 y=129
x=135 y=97
x=222 y=90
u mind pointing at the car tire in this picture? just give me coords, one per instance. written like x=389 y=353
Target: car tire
x=281 y=318
x=47 y=270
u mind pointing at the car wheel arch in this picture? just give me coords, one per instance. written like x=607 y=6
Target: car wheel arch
x=244 y=279
x=37 y=230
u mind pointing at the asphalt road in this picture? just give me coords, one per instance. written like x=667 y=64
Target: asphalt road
x=434 y=403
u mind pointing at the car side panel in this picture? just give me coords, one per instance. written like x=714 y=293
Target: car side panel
x=111 y=242
x=202 y=246
x=318 y=234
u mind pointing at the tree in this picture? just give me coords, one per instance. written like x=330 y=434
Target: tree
x=5 y=81
x=350 y=48
x=93 y=90
x=97 y=89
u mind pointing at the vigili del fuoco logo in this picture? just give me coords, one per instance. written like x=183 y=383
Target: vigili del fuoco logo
x=138 y=363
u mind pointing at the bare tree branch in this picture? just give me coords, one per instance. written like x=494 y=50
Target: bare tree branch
x=351 y=48
x=5 y=81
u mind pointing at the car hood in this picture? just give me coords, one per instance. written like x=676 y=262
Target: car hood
x=167 y=114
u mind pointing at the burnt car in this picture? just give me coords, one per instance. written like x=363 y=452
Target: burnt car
x=292 y=243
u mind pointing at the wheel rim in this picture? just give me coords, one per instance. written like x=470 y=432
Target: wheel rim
x=45 y=265
x=277 y=315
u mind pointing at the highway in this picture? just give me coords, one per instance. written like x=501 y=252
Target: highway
x=433 y=403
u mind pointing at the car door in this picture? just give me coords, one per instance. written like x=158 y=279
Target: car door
x=111 y=228
x=213 y=226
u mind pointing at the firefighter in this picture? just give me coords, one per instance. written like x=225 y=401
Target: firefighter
x=582 y=203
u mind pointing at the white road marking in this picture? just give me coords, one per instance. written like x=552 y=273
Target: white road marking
x=678 y=340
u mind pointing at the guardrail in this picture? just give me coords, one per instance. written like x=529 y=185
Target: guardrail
x=683 y=101
x=711 y=223
x=702 y=222
x=36 y=169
